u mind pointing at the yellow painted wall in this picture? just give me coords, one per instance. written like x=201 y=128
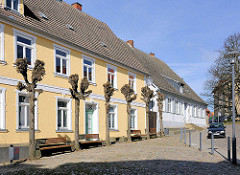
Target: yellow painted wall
x=47 y=100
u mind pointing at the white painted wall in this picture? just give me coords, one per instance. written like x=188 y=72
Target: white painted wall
x=172 y=120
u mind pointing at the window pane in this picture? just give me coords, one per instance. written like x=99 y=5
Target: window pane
x=29 y=55
x=59 y=118
x=58 y=52
x=90 y=74
x=22 y=99
x=87 y=62
x=112 y=80
x=58 y=65
x=109 y=78
x=111 y=70
x=15 y=4
x=111 y=109
x=132 y=112
x=62 y=104
x=19 y=51
x=64 y=118
x=109 y=120
x=27 y=115
x=64 y=66
x=85 y=71
x=131 y=77
x=24 y=40
x=21 y=116
x=113 y=118
x=9 y=3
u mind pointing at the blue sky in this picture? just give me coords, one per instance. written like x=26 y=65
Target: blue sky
x=185 y=34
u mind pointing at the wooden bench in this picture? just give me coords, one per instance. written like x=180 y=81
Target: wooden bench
x=153 y=132
x=136 y=135
x=50 y=145
x=90 y=140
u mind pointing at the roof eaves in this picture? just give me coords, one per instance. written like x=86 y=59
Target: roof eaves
x=66 y=42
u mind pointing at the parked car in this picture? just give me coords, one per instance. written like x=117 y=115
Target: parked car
x=217 y=129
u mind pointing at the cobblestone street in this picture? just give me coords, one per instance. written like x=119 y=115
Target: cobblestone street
x=156 y=156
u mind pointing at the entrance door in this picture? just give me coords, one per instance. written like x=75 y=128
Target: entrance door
x=89 y=121
x=152 y=121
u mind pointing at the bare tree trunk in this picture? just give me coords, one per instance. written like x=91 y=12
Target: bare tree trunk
x=129 y=118
x=31 y=153
x=77 y=105
x=161 y=122
x=107 y=124
x=147 y=122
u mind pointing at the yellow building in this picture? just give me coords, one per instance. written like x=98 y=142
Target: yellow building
x=69 y=41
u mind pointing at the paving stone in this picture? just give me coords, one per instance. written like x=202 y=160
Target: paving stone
x=156 y=156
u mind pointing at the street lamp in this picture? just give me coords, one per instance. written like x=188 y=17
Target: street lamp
x=233 y=55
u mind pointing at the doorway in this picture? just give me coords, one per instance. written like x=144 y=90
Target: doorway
x=91 y=118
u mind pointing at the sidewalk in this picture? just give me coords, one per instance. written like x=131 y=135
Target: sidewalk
x=165 y=155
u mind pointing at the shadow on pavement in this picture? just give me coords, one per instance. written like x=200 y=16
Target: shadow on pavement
x=127 y=167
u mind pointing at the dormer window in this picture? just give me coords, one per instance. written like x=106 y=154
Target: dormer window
x=12 y=4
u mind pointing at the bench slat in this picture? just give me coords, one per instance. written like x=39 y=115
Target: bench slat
x=55 y=147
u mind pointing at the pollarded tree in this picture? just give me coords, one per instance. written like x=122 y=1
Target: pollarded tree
x=77 y=96
x=108 y=93
x=160 y=107
x=37 y=75
x=147 y=95
x=128 y=92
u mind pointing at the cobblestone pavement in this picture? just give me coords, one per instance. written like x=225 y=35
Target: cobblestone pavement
x=157 y=156
x=220 y=144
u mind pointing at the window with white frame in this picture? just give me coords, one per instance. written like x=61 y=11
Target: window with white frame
x=203 y=113
x=177 y=107
x=180 y=108
x=62 y=61
x=63 y=114
x=113 y=117
x=2 y=108
x=88 y=69
x=199 y=112
x=23 y=111
x=1 y=42
x=112 y=75
x=12 y=4
x=133 y=119
x=168 y=105
x=194 y=112
x=25 y=46
x=132 y=80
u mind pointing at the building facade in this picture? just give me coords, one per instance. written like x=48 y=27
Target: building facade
x=74 y=43
x=181 y=105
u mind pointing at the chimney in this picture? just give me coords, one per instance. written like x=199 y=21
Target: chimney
x=131 y=42
x=77 y=6
x=152 y=54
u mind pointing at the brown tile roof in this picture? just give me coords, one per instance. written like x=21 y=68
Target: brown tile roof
x=88 y=34
x=158 y=70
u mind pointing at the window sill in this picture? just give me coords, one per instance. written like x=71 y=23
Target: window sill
x=3 y=62
x=29 y=67
x=61 y=75
x=64 y=131
x=114 y=130
x=25 y=130
x=3 y=130
x=91 y=83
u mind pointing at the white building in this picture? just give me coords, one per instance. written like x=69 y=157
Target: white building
x=181 y=105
